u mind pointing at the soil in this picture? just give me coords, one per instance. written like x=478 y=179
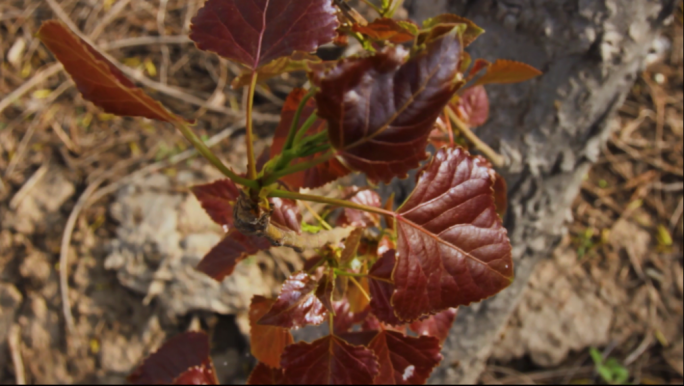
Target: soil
x=615 y=283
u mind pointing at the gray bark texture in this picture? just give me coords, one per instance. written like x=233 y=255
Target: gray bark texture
x=551 y=129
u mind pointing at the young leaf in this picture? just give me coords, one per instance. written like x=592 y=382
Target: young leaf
x=218 y=200
x=405 y=360
x=506 y=72
x=322 y=173
x=286 y=214
x=265 y=375
x=351 y=247
x=298 y=61
x=220 y=262
x=452 y=248
x=471 y=33
x=267 y=342
x=181 y=359
x=381 y=289
x=324 y=291
x=258 y=31
x=473 y=106
x=386 y=29
x=381 y=110
x=359 y=218
x=97 y=78
x=329 y=361
x=297 y=305
x=437 y=326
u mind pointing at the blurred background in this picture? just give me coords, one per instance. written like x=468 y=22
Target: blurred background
x=100 y=204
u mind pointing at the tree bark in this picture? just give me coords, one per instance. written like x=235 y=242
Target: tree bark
x=551 y=130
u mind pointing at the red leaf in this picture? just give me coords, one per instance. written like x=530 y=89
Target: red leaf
x=298 y=61
x=235 y=247
x=264 y=375
x=452 y=248
x=405 y=360
x=472 y=32
x=381 y=288
x=297 y=305
x=184 y=357
x=437 y=326
x=386 y=29
x=267 y=342
x=321 y=174
x=256 y=32
x=286 y=214
x=218 y=199
x=351 y=247
x=345 y=318
x=473 y=106
x=324 y=291
x=500 y=195
x=380 y=110
x=508 y=71
x=98 y=79
x=329 y=361
x=359 y=218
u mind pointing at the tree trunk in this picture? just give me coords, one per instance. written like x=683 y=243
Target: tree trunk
x=551 y=129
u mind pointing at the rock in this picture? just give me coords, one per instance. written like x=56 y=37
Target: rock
x=10 y=301
x=35 y=268
x=556 y=316
x=162 y=236
x=38 y=207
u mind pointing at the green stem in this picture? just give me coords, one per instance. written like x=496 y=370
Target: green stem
x=330 y=201
x=349 y=274
x=298 y=115
x=204 y=150
x=305 y=127
x=251 y=158
x=271 y=178
x=497 y=160
x=378 y=10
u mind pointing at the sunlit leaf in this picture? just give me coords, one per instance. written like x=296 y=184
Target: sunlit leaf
x=298 y=61
x=381 y=288
x=358 y=293
x=381 y=110
x=405 y=360
x=508 y=71
x=360 y=218
x=255 y=32
x=452 y=247
x=437 y=326
x=265 y=375
x=473 y=106
x=297 y=305
x=183 y=358
x=386 y=29
x=329 y=361
x=98 y=79
x=267 y=342
x=286 y=214
x=220 y=262
x=471 y=33
x=314 y=177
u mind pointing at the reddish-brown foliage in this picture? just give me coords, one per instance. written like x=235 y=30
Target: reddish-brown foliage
x=297 y=305
x=329 y=361
x=267 y=342
x=255 y=32
x=452 y=248
x=98 y=80
x=380 y=127
x=404 y=360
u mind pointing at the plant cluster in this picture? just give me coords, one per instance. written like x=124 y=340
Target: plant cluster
x=387 y=280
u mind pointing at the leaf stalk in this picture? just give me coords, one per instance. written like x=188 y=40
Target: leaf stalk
x=497 y=159
x=251 y=158
x=330 y=201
